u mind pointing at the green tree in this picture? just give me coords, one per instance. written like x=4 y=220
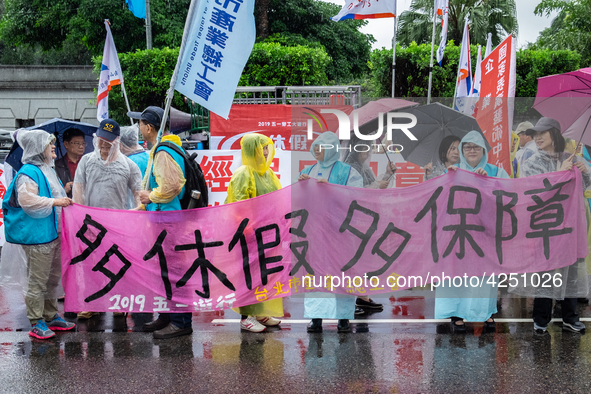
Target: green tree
x=51 y=24
x=344 y=43
x=498 y=17
x=571 y=29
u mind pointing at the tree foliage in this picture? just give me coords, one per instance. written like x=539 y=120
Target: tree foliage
x=273 y=64
x=412 y=70
x=498 y=17
x=344 y=43
x=51 y=25
x=571 y=29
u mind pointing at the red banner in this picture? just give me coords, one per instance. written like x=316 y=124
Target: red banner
x=494 y=110
x=286 y=125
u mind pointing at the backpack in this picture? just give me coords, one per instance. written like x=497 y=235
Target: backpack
x=193 y=175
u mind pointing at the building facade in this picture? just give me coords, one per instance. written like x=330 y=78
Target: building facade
x=31 y=95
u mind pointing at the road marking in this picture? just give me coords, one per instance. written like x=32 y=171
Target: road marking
x=392 y=321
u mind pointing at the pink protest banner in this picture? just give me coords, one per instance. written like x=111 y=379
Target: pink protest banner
x=303 y=237
x=175 y=261
x=458 y=224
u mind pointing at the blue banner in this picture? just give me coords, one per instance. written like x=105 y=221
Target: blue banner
x=221 y=36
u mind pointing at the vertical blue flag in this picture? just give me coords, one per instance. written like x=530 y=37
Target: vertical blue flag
x=137 y=7
x=218 y=45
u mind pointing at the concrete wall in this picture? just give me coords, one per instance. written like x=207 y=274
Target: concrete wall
x=40 y=93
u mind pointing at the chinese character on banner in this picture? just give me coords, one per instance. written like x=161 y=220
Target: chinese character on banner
x=216 y=170
x=408 y=174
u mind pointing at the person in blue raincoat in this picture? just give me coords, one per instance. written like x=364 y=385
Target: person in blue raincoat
x=32 y=209
x=131 y=148
x=328 y=169
x=468 y=303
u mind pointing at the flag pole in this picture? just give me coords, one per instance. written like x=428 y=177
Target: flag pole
x=394 y=54
x=148 y=26
x=126 y=100
x=431 y=59
x=170 y=92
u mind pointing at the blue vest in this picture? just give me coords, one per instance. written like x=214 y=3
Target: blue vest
x=175 y=204
x=20 y=227
x=141 y=159
x=339 y=173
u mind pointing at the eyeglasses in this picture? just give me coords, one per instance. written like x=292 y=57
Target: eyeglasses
x=78 y=143
x=468 y=148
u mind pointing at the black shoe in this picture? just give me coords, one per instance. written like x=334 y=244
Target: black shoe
x=343 y=325
x=458 y=327
x=490 y=325
x=315 y=325
x=171 y=331
x=154 y=325
x=361 y=303
x=359 y=312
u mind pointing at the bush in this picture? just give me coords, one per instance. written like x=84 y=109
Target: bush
x=147 y=73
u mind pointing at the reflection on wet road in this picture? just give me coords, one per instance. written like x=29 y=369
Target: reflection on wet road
x=109 y=353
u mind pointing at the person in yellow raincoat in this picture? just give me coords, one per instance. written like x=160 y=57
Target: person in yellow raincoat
x=255 y=178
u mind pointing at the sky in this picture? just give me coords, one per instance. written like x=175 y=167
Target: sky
x=530 y=25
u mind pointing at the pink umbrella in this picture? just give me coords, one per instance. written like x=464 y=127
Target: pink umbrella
x=567 y=98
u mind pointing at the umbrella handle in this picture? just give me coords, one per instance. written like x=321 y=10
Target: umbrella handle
x=385 y=151
x=584 y=130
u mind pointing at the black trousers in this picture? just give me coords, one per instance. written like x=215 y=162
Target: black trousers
x=542 y=313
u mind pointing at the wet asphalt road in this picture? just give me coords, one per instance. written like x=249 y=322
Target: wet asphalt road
x=111 y=354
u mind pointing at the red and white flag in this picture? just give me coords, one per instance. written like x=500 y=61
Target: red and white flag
x=110 y=75
x=442 y=8
x=366 y=9
x=464 y=81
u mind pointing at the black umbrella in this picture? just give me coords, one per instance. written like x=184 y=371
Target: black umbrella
x=57 y=127
x=434 y=122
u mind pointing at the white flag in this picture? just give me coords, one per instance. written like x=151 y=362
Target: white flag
x=470 y=103
x=110 y=76
x=477 y=79
x=219 y=40
x=443 y=6
x=488 y=45
x=464 y=80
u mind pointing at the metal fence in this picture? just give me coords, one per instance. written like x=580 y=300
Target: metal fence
x=299 y=95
